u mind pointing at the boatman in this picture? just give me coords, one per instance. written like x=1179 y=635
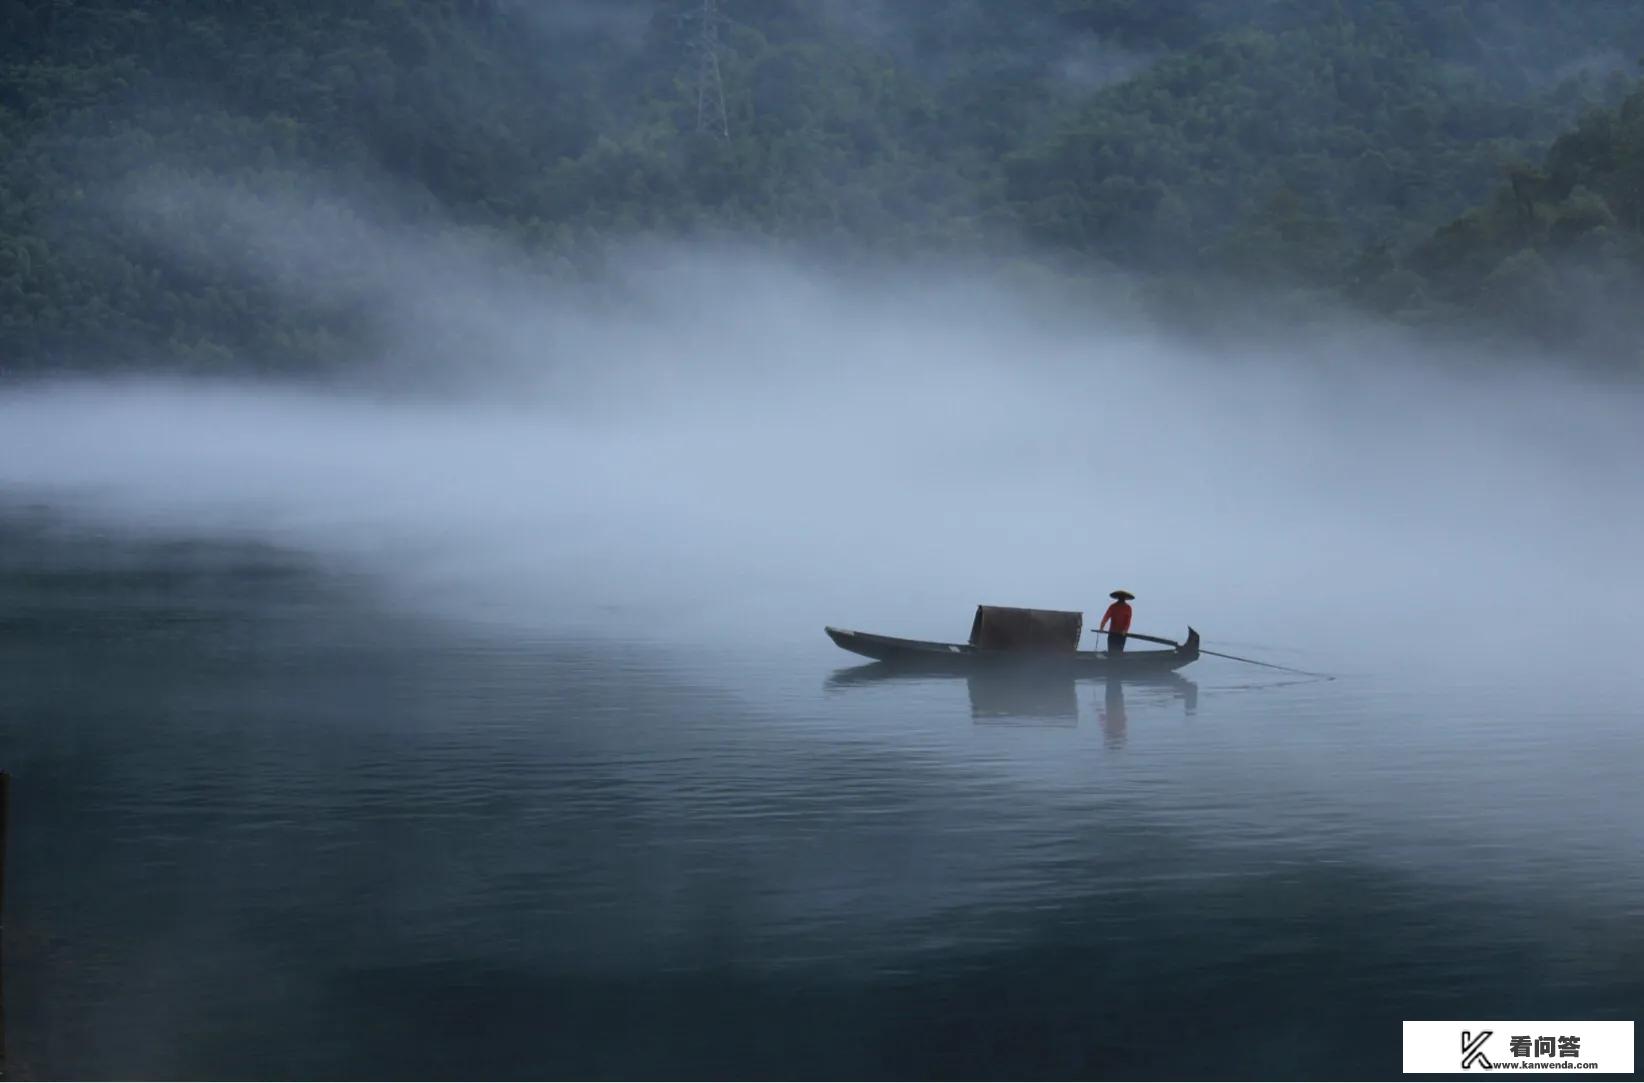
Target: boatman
x=1119 y=614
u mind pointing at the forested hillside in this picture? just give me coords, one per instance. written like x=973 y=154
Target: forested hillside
x=1443 y=161
x=1555 y=256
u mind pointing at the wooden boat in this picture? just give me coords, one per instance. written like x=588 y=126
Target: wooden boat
x=965 y=658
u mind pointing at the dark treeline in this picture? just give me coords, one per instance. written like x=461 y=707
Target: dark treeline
x=1454 y=162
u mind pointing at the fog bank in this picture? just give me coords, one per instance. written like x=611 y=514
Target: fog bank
x=744 y=448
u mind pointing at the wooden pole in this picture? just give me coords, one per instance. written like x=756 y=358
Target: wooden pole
x=1219 y=654
x=1138 y=635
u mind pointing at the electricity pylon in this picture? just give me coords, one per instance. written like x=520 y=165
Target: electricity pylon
x=710 y=88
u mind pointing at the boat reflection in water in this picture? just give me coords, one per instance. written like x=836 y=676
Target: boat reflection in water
x=1007 y=697
x=1042 y=698
x=1166 y=687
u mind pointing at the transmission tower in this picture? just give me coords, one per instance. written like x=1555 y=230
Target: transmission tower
x=710 y=89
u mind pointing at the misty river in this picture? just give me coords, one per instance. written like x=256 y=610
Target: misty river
x=435 y=437
x=480 y=722
x=264 y=824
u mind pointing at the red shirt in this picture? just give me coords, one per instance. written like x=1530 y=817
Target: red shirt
x=1119 y=614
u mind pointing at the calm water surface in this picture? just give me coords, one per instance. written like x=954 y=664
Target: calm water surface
x=263 y=825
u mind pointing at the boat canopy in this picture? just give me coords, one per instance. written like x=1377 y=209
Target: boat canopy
x=998 y=627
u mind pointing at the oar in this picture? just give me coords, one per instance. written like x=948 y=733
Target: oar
x=1138 y=635
x=1218 y=654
